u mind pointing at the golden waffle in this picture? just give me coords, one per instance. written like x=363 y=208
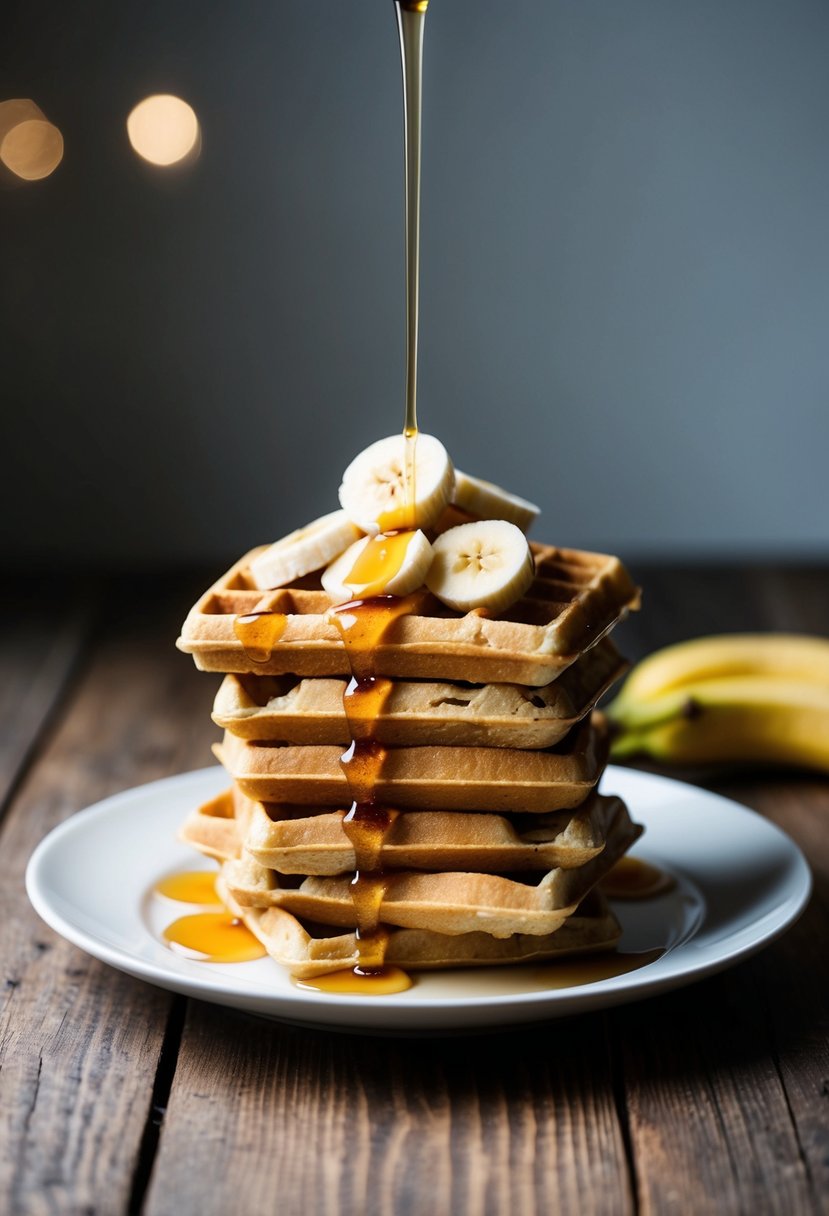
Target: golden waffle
x=443 y=902
x=296 y=840
x=287 y=709
x=218 y=827
x=433 y=840
x=439 y=778
x=574 y=600
x=307 y=949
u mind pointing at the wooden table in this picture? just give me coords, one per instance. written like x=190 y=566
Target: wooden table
x=118 y=1097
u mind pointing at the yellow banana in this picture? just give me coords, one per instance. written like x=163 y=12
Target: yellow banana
x=736 y=718
x=787 y=656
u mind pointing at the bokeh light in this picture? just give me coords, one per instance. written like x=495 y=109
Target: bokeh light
x=163 y=129
x=30 y=146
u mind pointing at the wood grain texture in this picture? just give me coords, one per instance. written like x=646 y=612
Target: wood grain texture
x=710 y=1124
x=794 y=977
x=321 y=1123
x=80 y=1043
x=39 y=652
x=725 y=1082
x=727 y=1098
x=713 y=1098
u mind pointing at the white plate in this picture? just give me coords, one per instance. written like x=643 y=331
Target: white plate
x=739 y=883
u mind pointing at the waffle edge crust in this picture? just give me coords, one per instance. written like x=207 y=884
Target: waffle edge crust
x=574 y=600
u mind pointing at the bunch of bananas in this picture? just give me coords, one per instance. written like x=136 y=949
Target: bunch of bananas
x=738 y=697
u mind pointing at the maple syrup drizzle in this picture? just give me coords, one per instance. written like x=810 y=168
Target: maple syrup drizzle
x=363 y=622
x=411 y=17
x=377 y=563
x=632 y=878
x=362 y=625
x=259 y=632
x=409 y=455
x=364 y=702
x=401 y=516
x=359 y=983
x=190 y=887
x=214 y=937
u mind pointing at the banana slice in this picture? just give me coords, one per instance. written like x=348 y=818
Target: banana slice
x=489 y=501
x=485 y=564
x=373 y=492
x=379 y=565
x=302 y=551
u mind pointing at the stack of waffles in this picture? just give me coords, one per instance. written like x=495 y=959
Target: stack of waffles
x=488 y=755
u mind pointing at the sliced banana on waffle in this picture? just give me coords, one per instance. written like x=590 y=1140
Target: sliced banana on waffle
x=373 y=493
x=485 y=564
x=379 y=565
x=302 y=551
x=489 y=501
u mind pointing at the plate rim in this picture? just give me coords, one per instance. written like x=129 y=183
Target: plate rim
x=308 y=1008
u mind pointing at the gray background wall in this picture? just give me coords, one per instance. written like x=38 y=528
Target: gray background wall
x=625 y=270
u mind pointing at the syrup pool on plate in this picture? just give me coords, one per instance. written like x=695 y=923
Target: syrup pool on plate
x=190 y=887
x=381 y=981
x=215 y=937
x=632 y=878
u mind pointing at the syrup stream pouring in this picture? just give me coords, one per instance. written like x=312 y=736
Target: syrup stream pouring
x=363 y=622
x=411 y=17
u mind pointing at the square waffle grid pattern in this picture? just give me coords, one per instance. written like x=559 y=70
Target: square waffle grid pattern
x=575 y=599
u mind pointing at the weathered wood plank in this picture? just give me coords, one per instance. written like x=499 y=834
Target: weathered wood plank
x=261 y=1115
x=710 y=1126
x=80 y=1043
x=39 y=651
x=793 y=976
x=724 y=1082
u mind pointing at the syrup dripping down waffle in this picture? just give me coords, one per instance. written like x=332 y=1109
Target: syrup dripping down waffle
x=440 y=778
x=449 y=902
x=303 y=840
x=287 y=709
x=575 y=599
x=307 y=949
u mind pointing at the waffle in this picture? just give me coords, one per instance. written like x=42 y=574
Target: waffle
x=439 y=778
x=295 y=840
x=575 y=599
x=434 y=840
x=445 y=902
x=218 y=827
x=286 y=709
x=307 y=949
